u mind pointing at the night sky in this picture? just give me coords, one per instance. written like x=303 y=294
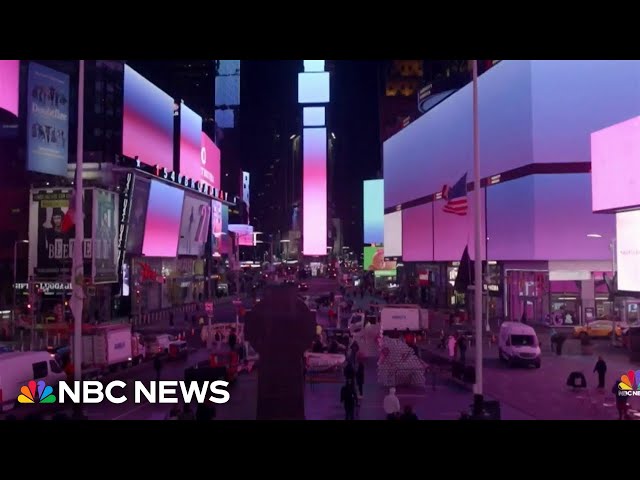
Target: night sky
x=269 y=108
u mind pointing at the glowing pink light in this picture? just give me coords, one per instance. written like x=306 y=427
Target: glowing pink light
x=314 y=191
x=9 y=85
x=615 y=166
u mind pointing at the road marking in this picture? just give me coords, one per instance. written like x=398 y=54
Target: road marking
x=131 y=411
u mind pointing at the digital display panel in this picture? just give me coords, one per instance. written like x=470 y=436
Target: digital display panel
x=373 y=207
x=393 y=234
x=190 y=143
x=164 y=213
x=628 y=250
x=313 y=116
x=194 y=227
x=314 y=191
x=313 y=87
x=9 y=85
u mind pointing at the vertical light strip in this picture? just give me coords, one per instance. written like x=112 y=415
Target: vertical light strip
x=314 y=188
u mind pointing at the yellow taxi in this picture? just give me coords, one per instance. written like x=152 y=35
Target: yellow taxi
x=596 y=329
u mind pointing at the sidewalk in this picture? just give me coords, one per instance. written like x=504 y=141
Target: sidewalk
x=543 y=393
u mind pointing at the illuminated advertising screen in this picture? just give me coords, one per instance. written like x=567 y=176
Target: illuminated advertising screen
x=374 y=262
x=246 y=192
x=210 y=162
x=47 y=120
x=147 y=130
x=393 y=234
x=313 y=87
x=52 y=233
x=225 y=218
x=190 y=143
x=9 y=85
x=194 y=227
x=164 y=212
x=216 y=224
x=628 y=250
x=105 y=236
x=373 y=206
x=314 y=191
x=138 y=215
x=615 y=166
x=244 y=234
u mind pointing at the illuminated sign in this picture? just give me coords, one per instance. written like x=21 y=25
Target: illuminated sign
x=177 y=178
x=123 y=228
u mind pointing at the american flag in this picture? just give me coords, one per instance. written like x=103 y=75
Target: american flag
x=456 y=197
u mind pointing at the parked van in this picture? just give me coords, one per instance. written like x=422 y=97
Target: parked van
x=518 y=343
x=18 y=368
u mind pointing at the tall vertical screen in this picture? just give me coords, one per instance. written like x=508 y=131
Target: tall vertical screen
x=314 y=186
x=163 y=220
x=190 y=143
x=373 y=206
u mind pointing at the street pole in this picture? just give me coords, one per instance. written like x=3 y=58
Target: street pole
x=15 y=281
x=478 y=400
x=614 y=285
x=78 y=290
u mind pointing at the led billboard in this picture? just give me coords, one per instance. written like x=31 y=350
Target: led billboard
x=147 y=129
x=210 y=162
x=194 y=227
x=164 y=213
x=9 y=85
x=138 y=215
x=190 y=143
x=374 y=262
x=373 y=207
x=105 y=236
x=615 y=166
x=47 y=120
x=244 y=234
x=313 y=87
x=313 y=116
x=393 y=234
x=314 y=191
x=628 y=250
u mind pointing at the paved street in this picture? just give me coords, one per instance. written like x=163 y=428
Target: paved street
x=543 y=394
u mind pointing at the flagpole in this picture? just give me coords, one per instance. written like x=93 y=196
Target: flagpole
x=478 y=400
x=77 y=299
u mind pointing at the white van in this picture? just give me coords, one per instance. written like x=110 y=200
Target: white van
x=518 y=343
x=18 y=368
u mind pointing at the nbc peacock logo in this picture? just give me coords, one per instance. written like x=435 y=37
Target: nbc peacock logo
x=628 y=384
x=38 y=392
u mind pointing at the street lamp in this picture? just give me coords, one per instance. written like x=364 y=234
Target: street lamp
x=15 y=281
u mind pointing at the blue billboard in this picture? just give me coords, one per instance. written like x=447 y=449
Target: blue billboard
x=47 y=120
x=373 y=205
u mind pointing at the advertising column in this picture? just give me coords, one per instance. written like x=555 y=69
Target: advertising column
x=105 y=228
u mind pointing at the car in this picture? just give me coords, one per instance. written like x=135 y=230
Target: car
x=596 y=329
x=303 y=287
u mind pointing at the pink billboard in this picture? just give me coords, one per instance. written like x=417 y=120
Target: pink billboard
x=190 y=143
x=314 y=191
x=9 y=85
x=147 y=129
x=615 y=166
x=209 y=162
x=162 y=228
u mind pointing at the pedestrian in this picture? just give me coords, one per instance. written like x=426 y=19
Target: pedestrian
x=360 y=377
x=621 y=401
x=462 y=348
x=601 y=369
x=157 y=366
x=233 y=340
x=408 y=413
x=451 y=346
x=218 y=339
x=391 y=405
x=349 y=399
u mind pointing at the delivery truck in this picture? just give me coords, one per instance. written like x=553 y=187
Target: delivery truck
x=107 y=347
x=404 y=317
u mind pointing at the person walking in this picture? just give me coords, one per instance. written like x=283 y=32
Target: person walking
x=391 y=405
x=360 y=377
x=349 y=399
x=462 y=348
x=233 y=340
x=600 y=368
x=451 y=346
